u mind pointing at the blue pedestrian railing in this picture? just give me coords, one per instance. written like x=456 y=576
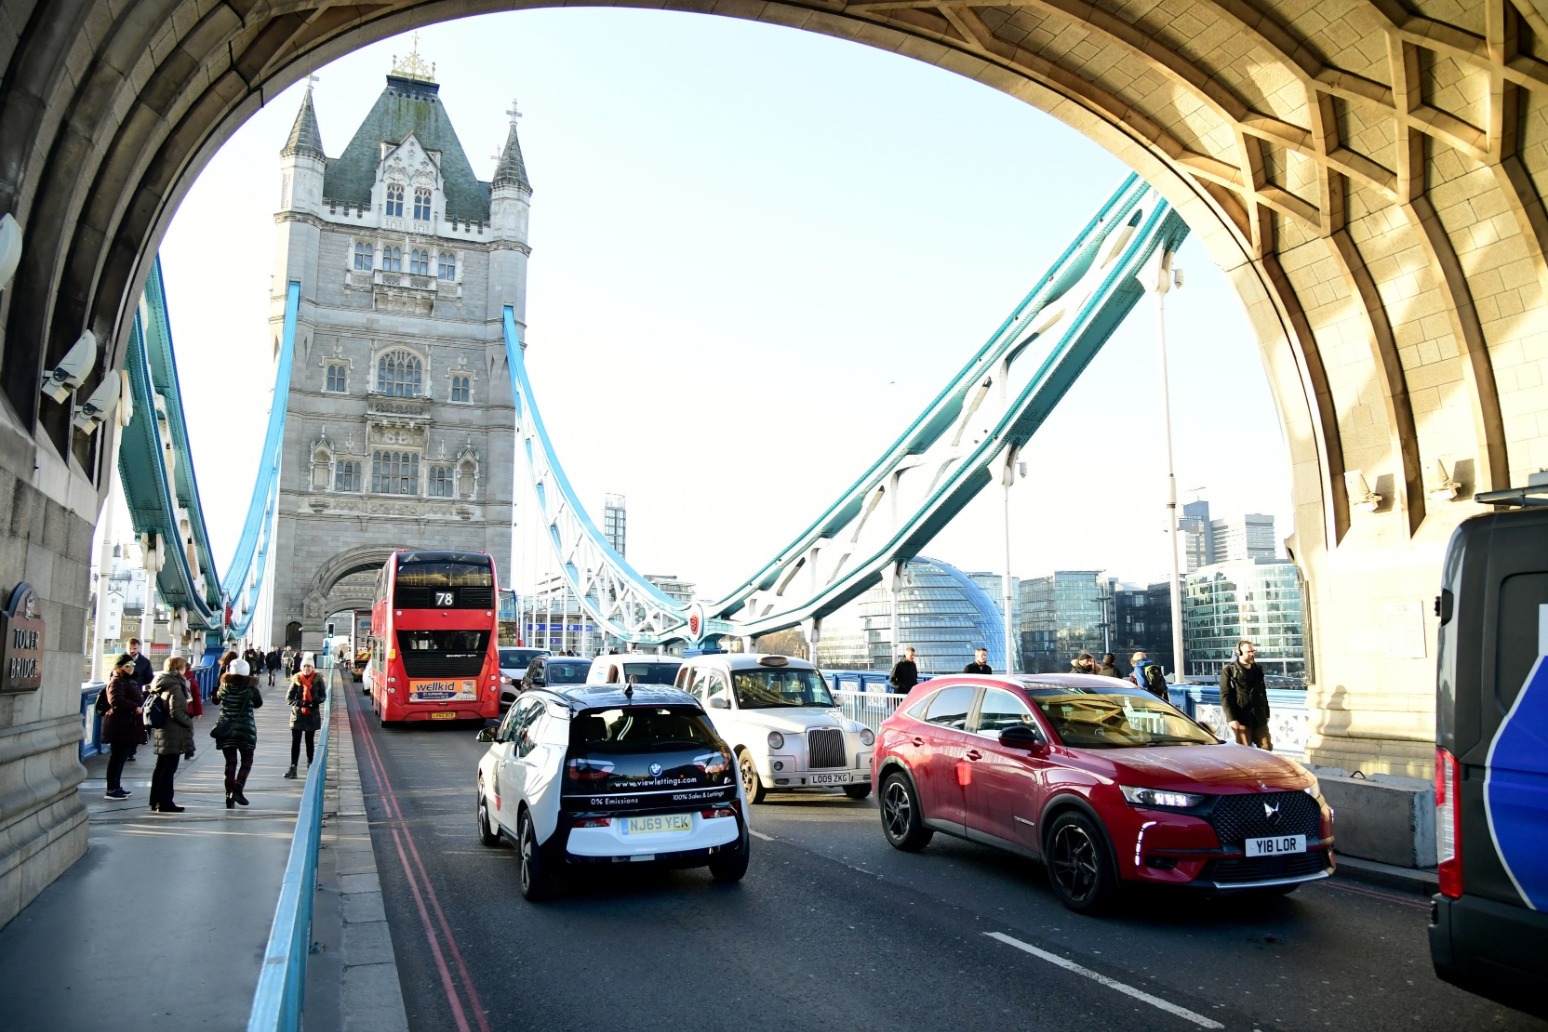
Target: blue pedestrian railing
x=1288 y=723
x=91 y=720
x=281 y=988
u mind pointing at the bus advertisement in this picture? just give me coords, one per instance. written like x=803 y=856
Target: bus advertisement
x=434 y=634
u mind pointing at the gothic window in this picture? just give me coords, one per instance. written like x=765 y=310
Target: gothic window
x=337 y=383
x=440 y=481
x=392 y=259
x=448 y=266
x=422 y=205
x=399 y=374
x=363 y=255
x=394 y=473
x=346 y=476
x=395 y=200
x=462 y=388
x=419 y=262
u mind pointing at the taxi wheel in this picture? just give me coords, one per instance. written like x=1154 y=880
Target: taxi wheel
x=858 y=791
x=751 y=783
x=537 y=881
x=1079 y=865
x=488 y=834
x=902 y=821
x=730 y=865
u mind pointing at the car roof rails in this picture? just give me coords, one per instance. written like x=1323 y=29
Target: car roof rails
x=1535 y=493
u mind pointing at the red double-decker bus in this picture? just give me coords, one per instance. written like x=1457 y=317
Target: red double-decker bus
x=434 y=634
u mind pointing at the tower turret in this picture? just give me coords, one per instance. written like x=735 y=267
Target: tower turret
x=302 y=161
x=510 y=201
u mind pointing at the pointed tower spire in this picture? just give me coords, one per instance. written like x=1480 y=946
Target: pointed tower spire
x=511 y=171
x=304 y=135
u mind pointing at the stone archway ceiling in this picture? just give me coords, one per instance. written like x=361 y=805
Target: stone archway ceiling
x=1367 y=171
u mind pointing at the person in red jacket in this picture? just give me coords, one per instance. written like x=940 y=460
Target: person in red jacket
x=307 y=695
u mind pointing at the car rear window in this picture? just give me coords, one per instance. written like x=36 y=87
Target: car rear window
x=567 y=673
x=649 y=673
x=640 y=729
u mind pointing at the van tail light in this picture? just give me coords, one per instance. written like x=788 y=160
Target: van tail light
x=589 y=770
x=1448 y=823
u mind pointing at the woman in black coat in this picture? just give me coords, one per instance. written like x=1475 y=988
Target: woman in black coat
x=236 y=732
x=122 y=727
x=307 y=696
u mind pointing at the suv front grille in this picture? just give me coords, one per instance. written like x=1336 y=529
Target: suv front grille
x=1239 y=817
x=825 y=748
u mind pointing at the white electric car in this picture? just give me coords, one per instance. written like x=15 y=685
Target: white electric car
x=600 y=774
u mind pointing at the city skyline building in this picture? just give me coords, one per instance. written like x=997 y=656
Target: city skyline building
x=615 y=523
x=400 y=431
x=942 y=612
x=1254 y=599
x=1062 y=614
x=1142 y=621
x=1249 y=536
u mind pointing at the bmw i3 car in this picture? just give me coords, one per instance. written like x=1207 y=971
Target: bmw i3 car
x=611 y=774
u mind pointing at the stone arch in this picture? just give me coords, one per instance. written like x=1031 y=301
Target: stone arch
x=1369 y=181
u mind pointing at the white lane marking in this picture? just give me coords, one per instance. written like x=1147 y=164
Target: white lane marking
x=1127 y=990
x=759 y=834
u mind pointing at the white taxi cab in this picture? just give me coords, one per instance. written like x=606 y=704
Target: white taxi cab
x=778 y=716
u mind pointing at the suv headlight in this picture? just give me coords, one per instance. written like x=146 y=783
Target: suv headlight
x=776 y=740
x=867 y=736
x=1160 y=799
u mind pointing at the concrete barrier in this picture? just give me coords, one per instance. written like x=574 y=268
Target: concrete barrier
x=1385 y=818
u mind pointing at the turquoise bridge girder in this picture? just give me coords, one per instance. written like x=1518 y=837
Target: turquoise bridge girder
x=971 y=430
x=162 y=492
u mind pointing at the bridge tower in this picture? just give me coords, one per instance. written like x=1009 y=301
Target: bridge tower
x=400 y=431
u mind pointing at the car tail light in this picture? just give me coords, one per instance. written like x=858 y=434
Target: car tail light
x=1448 y=823
x=589 y=770
x=594 y=822
x=719 y=811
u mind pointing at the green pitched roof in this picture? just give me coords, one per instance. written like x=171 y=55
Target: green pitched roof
x=407 y=107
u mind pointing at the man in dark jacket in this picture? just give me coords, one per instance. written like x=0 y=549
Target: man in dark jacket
x=905 y=674
x=1244 y=698
x=143 y=676
x=980 y=664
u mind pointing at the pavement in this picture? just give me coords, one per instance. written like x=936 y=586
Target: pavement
x=164 y=922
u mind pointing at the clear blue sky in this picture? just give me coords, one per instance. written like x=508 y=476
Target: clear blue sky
x=756 y=254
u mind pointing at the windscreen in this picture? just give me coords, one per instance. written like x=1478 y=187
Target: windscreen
x=445 y=584
x=442 y=653
x=569 y=671
x=1114 y=720
x=643 y=673
x=771 y=687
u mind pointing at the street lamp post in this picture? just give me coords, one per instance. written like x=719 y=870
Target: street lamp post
x=1009 y=473
x=1158 y=278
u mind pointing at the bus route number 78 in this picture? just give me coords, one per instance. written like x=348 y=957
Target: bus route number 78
x=444 y=598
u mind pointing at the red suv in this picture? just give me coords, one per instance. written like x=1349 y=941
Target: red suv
x=1102 y=781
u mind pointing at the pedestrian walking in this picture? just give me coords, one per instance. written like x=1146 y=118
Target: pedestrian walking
x=905 y=673
x=307 y=696
x=236 y=734
x=272 y=663
x=144 y=674
x=980 y=664
x=1083 y=663
x=292 y=662
x=1244 y=698
x=173 y=740
x=122 y=727
x=1147 y=674
x=1109 y=667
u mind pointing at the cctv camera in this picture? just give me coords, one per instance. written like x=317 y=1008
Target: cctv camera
x=99 y=406
x=63 y=379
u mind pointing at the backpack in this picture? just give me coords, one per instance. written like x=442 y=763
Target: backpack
x=157 y=711
x=1155 y=681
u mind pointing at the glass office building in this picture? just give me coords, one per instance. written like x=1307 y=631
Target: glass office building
x=1254 y=599
x=1061 y=615
x=942 y=613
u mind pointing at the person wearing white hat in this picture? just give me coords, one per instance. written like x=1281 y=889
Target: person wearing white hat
x=236 y=732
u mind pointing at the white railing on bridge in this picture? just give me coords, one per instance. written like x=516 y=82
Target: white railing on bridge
x=870 y=708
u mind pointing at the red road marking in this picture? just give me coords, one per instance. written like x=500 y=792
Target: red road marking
x=423 y=889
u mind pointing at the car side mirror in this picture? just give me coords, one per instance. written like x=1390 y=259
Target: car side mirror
x=719 y=702
x=1020 y=736
x=485 y=735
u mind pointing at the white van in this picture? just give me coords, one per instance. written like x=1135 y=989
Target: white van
x=633 y=668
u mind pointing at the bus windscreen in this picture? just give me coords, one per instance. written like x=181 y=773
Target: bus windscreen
x=444 y=584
